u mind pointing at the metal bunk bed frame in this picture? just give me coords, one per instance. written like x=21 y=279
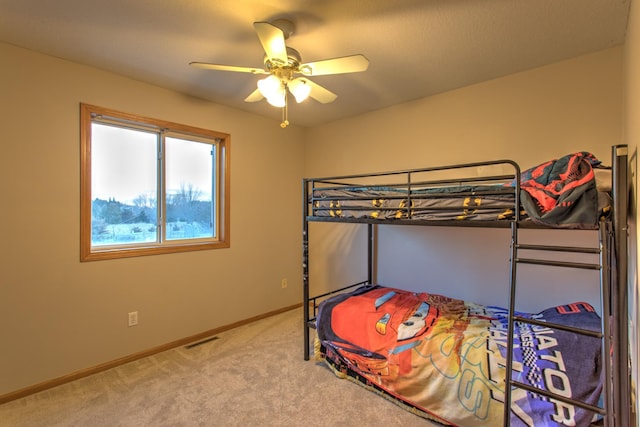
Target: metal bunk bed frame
x=612 y=266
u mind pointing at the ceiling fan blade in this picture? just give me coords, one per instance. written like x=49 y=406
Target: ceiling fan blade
x=218 y=67
x=319 y=93
x=255 y=96
x=272 y=39
x=345 y=64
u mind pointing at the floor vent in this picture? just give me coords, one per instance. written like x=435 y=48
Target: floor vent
x=195 y=344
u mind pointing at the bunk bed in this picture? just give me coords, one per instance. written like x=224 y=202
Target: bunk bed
x=445 y=359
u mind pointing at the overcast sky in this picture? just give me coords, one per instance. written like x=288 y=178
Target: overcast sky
x=124 y=164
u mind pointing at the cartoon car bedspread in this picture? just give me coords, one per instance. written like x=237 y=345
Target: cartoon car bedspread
x=445 y=358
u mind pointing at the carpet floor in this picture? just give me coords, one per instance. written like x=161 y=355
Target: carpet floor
x=253 y=375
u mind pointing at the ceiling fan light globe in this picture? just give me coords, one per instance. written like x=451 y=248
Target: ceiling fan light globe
x=270 y=86
x=278 y=99
x=300 y=90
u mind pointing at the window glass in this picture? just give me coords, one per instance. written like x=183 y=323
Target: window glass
x=124 y=185
x=190 y=190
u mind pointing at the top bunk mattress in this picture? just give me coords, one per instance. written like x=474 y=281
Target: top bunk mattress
x=560 y=193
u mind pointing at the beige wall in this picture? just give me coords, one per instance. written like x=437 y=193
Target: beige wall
x=528 y=117
x=58 y=315
x=632 y=138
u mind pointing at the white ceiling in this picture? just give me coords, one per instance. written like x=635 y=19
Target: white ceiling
x=416 y=48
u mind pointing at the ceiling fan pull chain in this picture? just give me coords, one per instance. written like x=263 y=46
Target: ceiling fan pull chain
x=285 y=112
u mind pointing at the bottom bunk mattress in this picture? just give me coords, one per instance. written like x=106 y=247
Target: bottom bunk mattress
x=444 y=359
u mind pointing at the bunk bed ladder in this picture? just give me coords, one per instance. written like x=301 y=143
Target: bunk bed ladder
x=603 y=267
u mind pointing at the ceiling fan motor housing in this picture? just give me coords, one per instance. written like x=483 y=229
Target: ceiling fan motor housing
x=293 y=60
x=287 y=70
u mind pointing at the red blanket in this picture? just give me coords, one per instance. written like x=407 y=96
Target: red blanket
x=562 y=192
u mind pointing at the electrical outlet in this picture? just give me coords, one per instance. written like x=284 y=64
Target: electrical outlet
x=284 y=283
x=133 y=318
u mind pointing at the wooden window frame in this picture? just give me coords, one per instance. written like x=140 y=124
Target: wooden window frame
x=88 y=252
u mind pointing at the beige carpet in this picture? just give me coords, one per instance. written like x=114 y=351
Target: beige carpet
x=254 y=375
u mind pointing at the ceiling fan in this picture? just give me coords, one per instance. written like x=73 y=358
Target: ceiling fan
x=286 y=72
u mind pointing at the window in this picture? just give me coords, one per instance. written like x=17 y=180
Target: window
x=150 y=186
